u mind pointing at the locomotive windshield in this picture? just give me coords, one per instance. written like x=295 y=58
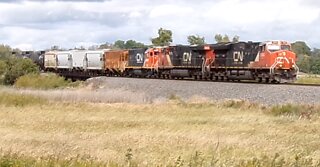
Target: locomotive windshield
x=274 y=48
x=285 y=47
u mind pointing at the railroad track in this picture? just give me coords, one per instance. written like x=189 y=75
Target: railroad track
x=203 y=80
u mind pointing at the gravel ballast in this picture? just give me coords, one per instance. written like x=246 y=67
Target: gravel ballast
x=262 y=93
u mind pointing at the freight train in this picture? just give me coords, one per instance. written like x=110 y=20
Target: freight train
x=271 y=61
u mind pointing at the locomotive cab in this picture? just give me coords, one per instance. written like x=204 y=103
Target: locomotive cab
x=278 y=59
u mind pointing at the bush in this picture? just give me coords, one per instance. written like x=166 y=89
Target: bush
x=16 y=68
x=3 y=67
x=48 y=81
x=303 y=111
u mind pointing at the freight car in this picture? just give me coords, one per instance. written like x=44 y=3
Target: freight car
x=75 y=63
x=267 y=61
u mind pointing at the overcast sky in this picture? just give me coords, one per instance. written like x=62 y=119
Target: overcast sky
x=40 y=24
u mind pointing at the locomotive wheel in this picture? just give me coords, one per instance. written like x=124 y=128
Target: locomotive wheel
x=267 y=80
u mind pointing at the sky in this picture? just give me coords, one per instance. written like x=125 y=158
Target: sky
x=40 y=24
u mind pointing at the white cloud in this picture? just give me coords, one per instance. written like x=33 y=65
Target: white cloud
x=41 y=24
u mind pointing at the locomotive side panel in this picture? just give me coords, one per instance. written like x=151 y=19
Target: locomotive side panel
x=184 y=56
x=136 y=57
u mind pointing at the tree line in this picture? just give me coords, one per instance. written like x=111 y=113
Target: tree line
x=164 y=38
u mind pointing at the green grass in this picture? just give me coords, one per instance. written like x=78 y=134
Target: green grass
x=309 y=79
x=47 y=81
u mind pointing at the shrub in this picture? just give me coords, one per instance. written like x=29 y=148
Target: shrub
x=295 y=110
x=3 y=67
x=16 y=68
x=48 y=81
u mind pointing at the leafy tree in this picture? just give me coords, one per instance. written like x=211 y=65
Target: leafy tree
x=301 y=48
x=119 y=44
x=303 y=53
x=218 y=38
x=304 y=63
x=315 y=53
x=3 y=67
x=164 y=38
x=5 y=51
x=315 y=66
x=196 y=40
x=130 y=44
x=224 y=39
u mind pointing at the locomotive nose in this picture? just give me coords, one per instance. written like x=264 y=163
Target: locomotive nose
x=285 y=59
x=282 y=54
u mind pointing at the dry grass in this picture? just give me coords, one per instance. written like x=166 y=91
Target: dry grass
x=157 y=134
x=84 y=94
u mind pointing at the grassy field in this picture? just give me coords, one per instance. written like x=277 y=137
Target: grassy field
x=309 y=79
x=41 y=132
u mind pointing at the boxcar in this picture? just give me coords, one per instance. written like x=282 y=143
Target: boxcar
x=50 y=61
x=116 y=61
x=94 y=60
x=78 y=58
x=64 y=60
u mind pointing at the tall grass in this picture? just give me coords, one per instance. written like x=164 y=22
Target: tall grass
x=195 y=160
x=16 y=160
x=173 y=133
x=20 y=100
x=300 y=110
x=47 y=81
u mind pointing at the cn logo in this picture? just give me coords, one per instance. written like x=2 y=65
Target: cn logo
x=238 y=56
x=139 y=58
x=186 y=57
